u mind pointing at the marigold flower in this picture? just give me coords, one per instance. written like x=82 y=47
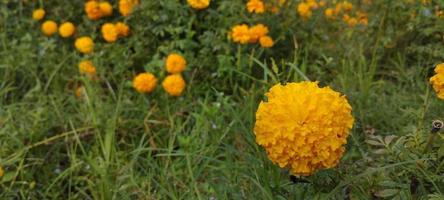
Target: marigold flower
x=347 y=6
x=106 y=9
x=84 y=44
x=329 y=13
x=67 y=29
x=175 y=63
x=49 y=28
x=87 y=67
x=92 y=9
x=304 y=10
x=312 y=4
x=145 y=83
x=437 y=81
x=255 y=6
x=127 y=6
x=38 y=14
x=109 y=32
x=174 y=85
x=240 y=34
x=122 y=29
x=303 y=127
x=199 y=4
x=1 y=172
x=266 y=42
x=257 y=32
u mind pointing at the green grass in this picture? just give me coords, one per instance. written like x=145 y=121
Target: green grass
x=117 y=144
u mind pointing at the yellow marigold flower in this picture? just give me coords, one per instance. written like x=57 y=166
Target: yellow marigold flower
x=257 y=32
x=127 y=6
x=175 y=63
x=303 y=127
x=304 y=10
x=329 y=13
x=199 y=4
x=106 y=9
x=312 y=4
x=38 y=14
x=174 y=85
x=109 y=32
x=255 y=6
x=351 y=21
x=145 y=83
x=49 y=28
x=322 y=3
x=1 y=172
x=362 y=18
x=437 y=81
x=87 y=67
x=67 y=29
x=92 y=9
x=240 y=34
x=84 y=45
x=122 y=29
x=347 y=6
x=266 y=42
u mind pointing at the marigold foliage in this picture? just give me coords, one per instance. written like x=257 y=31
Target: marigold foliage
x=437 y=81
x=174 y=85
x=303 y=127
x=84 y=45
x=175 y=63
x=145 y=83
x=38 y=14
x=49 y=28
x=199 y=4
x=67 y=29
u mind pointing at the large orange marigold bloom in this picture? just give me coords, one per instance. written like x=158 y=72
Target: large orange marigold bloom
x=175 y=63
x=174 y=85
x=199 y=4
x=145 y=83
x=303 y=127
x=437 y=81
x=127 y=6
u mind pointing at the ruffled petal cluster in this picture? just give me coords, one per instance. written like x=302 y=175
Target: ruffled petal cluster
x=96 y=10
x=127 y=6
x=174 y=85
x=84 y=45
x=303 y=127
x=243 y=34
x=199 y=4
x=437 y=81
x=175 y=63
x=145 y=82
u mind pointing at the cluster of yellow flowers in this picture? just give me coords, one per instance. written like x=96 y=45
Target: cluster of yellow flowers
x=111 y=32
x=96 y=10
x=305 y=8
x=243 y=34
x=345 y=9
x=199 y=4
x=260 y=7
x=437 y=81
x=303 y=127
x=84 y=44
x=173 y=84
